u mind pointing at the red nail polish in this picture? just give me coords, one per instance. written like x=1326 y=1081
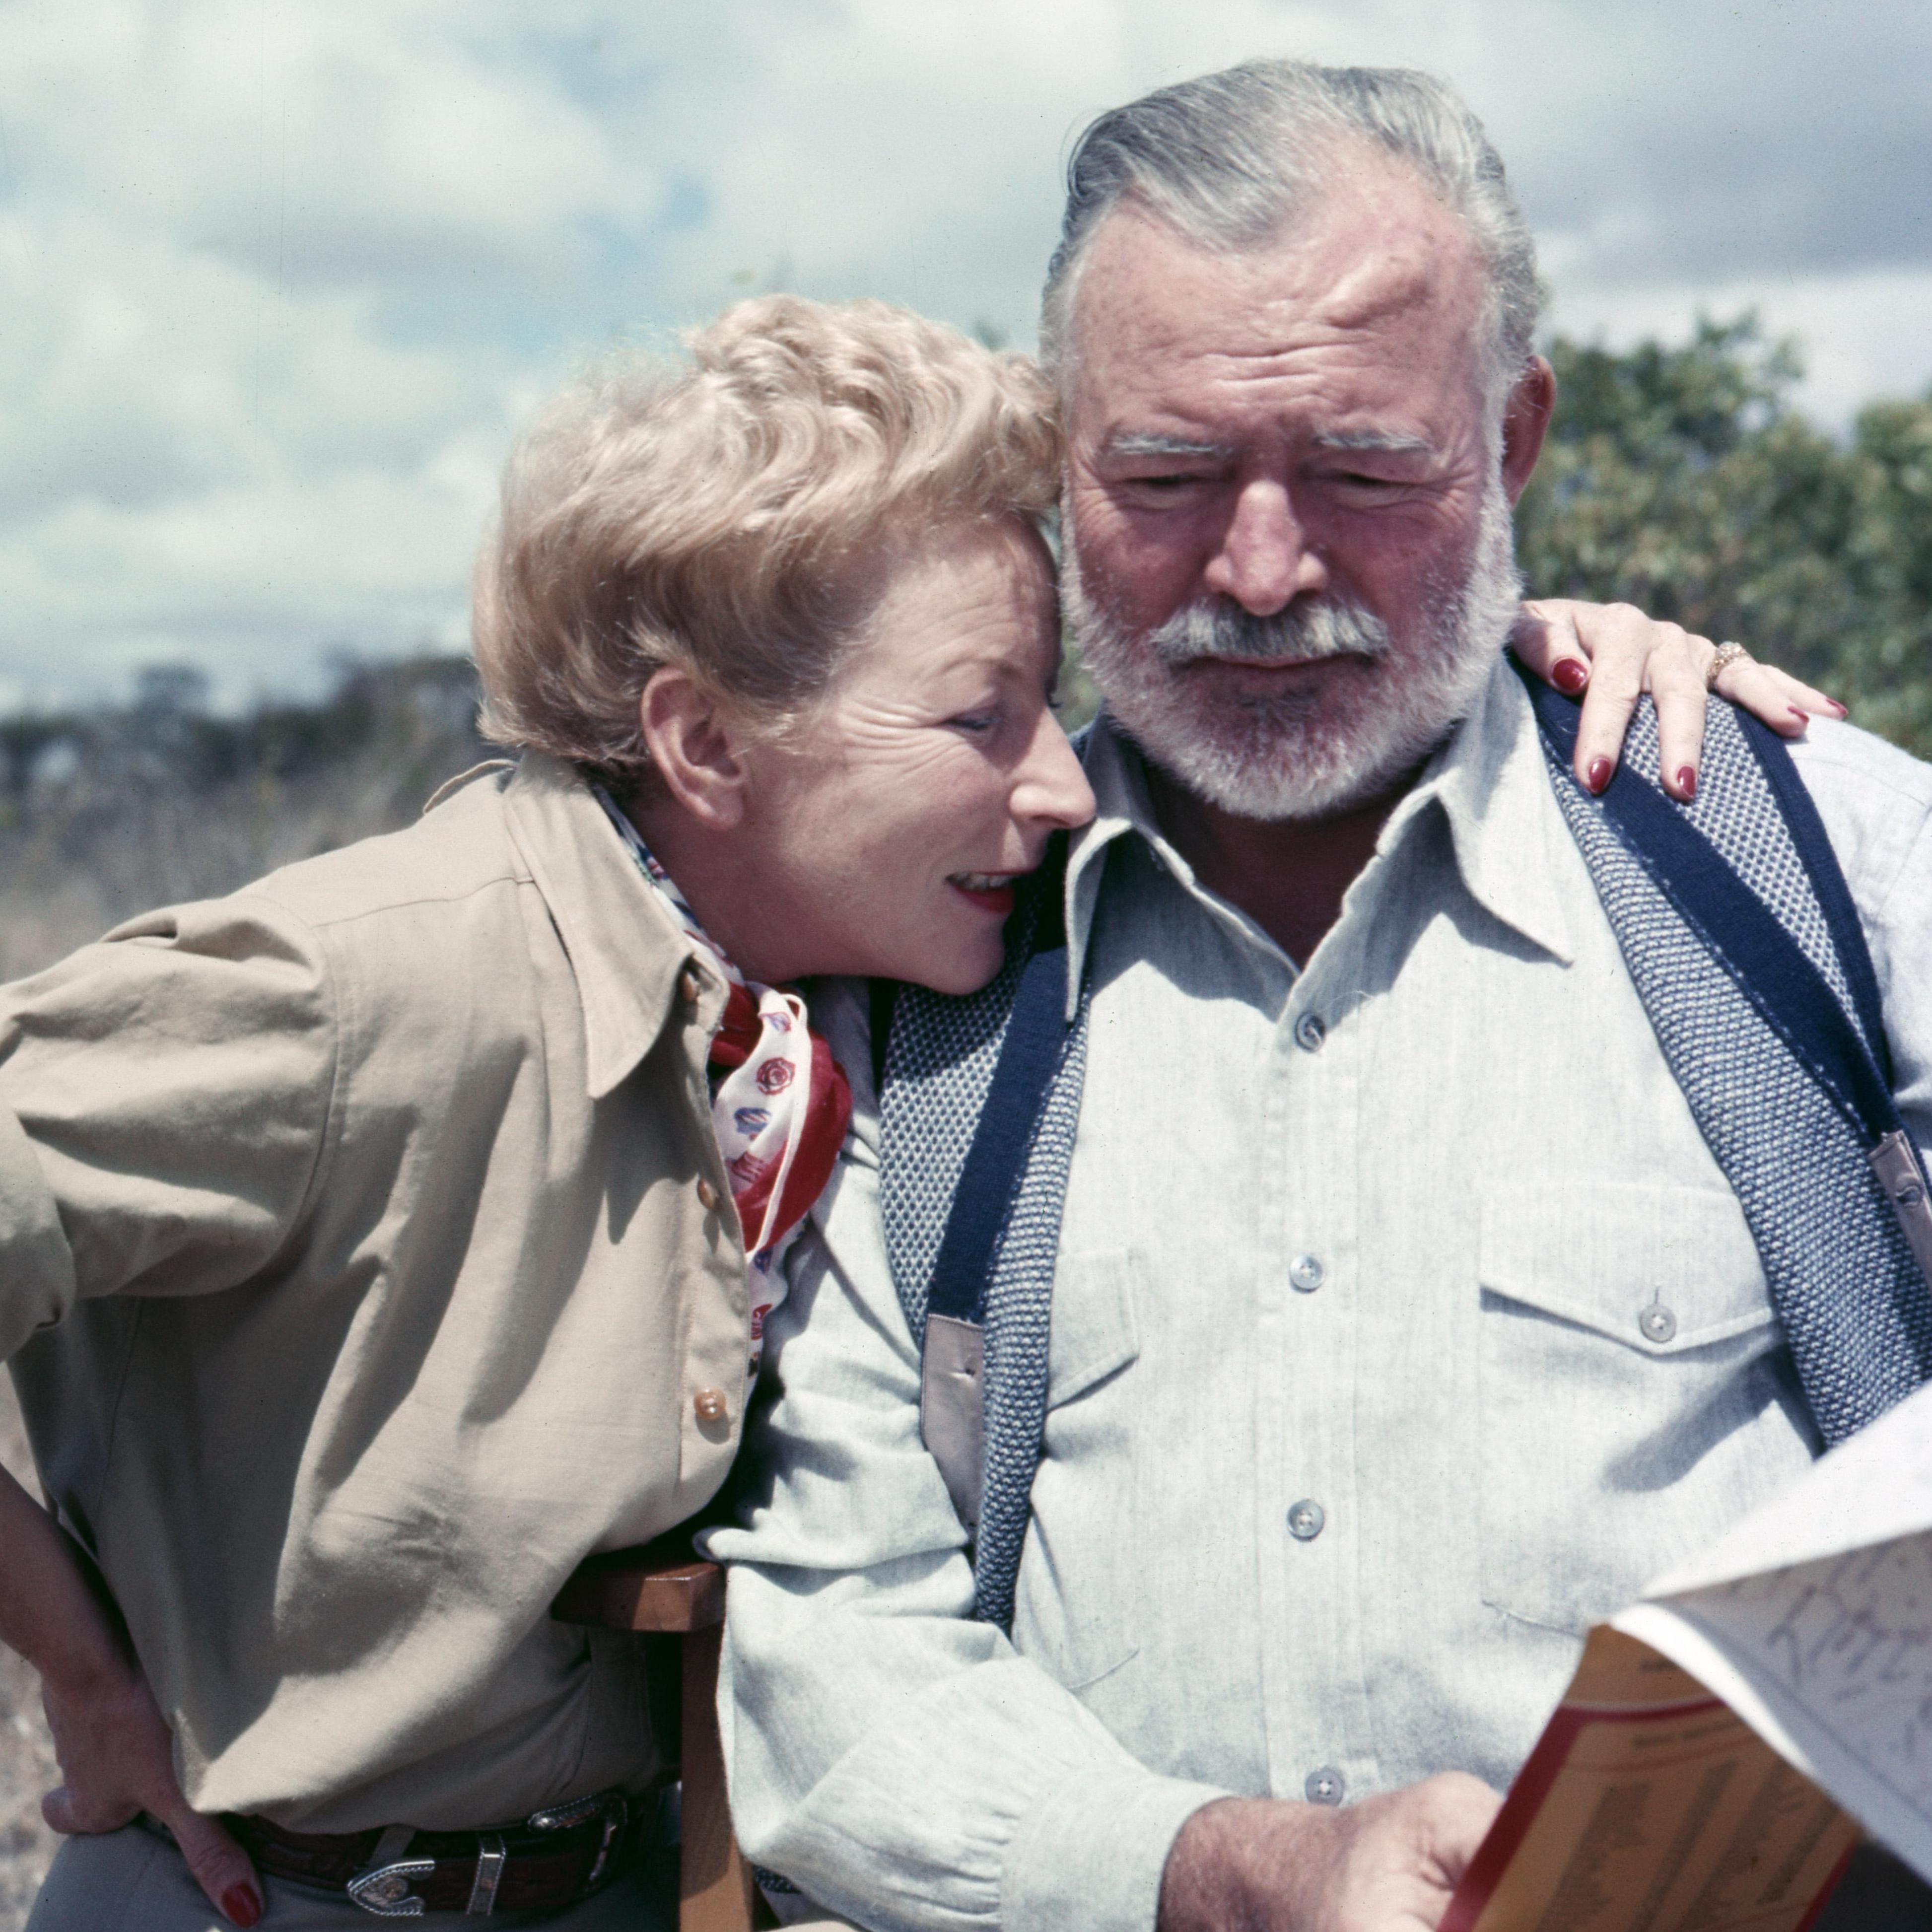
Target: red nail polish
x=1686 y=781
x=1837 y=707
x=1598 y=775
x=243 y=1904
x=1803 y=717
x=1569 y=675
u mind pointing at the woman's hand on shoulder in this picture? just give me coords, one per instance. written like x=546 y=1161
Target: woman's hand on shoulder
x=1611 y=654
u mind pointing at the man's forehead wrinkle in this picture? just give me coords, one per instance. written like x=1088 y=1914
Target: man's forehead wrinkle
x=1338 y=394
x=1321 y=324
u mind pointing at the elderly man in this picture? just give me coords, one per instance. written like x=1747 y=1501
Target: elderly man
x=1416 y=1297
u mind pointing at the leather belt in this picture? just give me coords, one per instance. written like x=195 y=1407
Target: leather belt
x=547 y=1862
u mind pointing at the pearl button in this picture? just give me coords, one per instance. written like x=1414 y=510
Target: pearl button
x=1658 y=1323
x=688 y=987
x=707 y=1196
x=1306 y=1274
x=710 y=1404
x=1324 y=1786
x=1305 y=1520
x=1310 y=1032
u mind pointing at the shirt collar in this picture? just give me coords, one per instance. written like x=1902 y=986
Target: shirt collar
x=625 y=949
x=1489 y=781
x=1492 y=783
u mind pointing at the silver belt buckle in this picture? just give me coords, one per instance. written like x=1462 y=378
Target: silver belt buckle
x=383 y=1889
x=610 y=1806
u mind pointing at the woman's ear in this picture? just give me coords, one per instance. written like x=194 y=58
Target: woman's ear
x=696 y=747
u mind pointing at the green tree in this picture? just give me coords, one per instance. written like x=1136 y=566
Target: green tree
x=1684 y=480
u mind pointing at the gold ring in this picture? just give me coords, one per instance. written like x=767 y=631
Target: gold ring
x=1722 y=659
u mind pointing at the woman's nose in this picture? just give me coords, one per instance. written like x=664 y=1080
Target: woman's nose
x=1049 y=785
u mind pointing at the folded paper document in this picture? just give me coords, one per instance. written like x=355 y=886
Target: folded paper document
x=1729 y=1739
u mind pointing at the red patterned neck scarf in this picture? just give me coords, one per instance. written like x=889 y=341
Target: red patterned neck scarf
x=780 y=1103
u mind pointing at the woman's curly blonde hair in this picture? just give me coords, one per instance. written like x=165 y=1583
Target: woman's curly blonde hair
x=717 y=515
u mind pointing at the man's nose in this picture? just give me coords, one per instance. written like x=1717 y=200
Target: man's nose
x=1049 y=786
x=1265 y=560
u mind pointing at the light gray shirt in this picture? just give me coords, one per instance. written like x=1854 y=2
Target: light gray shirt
x=1404 y=1326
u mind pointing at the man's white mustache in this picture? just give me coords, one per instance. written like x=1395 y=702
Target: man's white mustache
x=1294 y=635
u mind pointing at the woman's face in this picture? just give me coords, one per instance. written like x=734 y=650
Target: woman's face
x=930 y=778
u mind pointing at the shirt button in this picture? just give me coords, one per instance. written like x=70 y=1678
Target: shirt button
x=1658 y=1323
x=688 y=987
x=710 y=1404
x=1324 y=1786
x=1305 y=1520
x=1310 y=1032
x=707 y=1196
x=1306 y=1274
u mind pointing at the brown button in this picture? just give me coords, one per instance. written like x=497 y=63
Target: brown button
x=689 y=986
x=707 y=1195
x=709 y=1404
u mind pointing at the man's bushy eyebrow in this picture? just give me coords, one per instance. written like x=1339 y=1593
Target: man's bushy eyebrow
x=1139 y=445
x=1379 y=441
x=1134 y=443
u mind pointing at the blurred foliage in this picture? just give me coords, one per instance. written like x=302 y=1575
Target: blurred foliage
x=1684 y=480
x=105 y=813
x=1077 y=698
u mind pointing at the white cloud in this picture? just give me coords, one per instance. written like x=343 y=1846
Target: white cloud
x=1861 y=335
x=278 y=279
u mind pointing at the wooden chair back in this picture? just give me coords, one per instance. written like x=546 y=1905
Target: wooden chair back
x=662 y=1590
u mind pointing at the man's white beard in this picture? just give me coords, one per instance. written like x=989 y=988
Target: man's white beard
x=1303 y=755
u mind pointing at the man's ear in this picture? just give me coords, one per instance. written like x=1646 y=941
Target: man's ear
x=696 y=747
x=1526 y=423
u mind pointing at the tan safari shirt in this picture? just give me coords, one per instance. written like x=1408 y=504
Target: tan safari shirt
x=358 y=1277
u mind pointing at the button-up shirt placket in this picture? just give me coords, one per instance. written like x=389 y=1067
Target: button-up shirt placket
x=1301 y=1203
x=1310 y=1523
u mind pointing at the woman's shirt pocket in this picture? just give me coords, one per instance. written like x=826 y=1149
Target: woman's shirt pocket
x=1634 y=1391
x=1073 y=1612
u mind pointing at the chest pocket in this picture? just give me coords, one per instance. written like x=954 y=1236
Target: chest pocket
x=1634 y=1392
x=1072 y=1611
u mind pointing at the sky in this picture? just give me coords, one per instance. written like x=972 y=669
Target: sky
x=279 y=279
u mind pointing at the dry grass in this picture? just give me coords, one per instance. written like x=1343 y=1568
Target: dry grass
x=132 y=821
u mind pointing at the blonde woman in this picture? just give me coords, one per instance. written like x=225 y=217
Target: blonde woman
x=379 y=1242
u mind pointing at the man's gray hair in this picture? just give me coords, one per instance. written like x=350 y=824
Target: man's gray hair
x=1233 y=159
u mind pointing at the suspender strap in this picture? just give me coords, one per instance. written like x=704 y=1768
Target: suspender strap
x=1035 y=1036
x=1766 y=963
x=952 y=1359
x=1828 y=882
